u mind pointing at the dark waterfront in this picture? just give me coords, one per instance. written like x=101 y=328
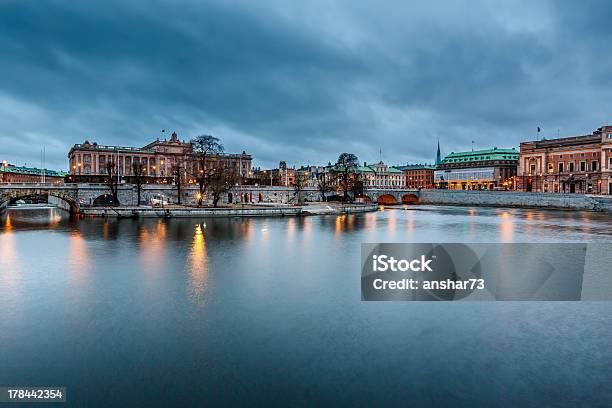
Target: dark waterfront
x=267 y=311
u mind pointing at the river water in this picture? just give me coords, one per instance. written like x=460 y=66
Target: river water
x=267 y=311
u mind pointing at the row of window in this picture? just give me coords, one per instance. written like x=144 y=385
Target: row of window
x=571 y=167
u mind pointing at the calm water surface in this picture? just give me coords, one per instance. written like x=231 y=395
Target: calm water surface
x=267 y=311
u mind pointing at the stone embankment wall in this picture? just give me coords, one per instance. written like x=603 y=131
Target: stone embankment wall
x=515 y=199
x=262 y=211
x=127 y=194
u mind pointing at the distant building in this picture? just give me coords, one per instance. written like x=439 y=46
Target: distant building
x=577 y=164
x=478 y=170
x=438 y=156
x=15 y=174
x=281 y=176
x=418 y=175
x=286 y=175
x=88 y=160
x=380 y=175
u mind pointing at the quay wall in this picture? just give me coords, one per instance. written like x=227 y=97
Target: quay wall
x=515 y=199
x=193 y=212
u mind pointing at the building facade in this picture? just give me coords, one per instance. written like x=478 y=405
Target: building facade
x=88 y=161
x=418 y=175
x=15 y=174
x=578 y=164
x=380 y=175
x=478 y=170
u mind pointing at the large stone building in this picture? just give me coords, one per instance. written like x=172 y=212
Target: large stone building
x=16 y=174
x=88 y=160
x=577 y=164
x=418 y=175
x=478 y=170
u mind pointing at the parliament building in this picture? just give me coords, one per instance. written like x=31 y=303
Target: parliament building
x=88 y=161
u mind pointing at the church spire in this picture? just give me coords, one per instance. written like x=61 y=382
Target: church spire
x=438 y=157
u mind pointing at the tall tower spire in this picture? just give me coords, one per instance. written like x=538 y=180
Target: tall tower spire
x=438 y=158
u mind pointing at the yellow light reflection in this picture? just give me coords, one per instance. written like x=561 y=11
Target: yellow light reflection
x=198 y=264
x=506 y=227
x=8 y=226
x=340 y=224
x=153 y=246
x=78 y=258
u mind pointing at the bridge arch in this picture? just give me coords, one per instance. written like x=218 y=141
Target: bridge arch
x=410 y=198
x=104 y=200
x=386 y=199
x=17 y=194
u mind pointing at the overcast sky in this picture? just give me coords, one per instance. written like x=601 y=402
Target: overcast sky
x=301 y=81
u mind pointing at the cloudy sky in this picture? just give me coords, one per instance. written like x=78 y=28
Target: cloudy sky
x=301 y=81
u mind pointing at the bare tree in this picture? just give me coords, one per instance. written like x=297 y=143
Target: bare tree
x=139 y=171
x=221 y=180
x=323 y=184
x=113 y=180
x=346 y=166
x=177 y=171
x=203 y=148
x=300 y=184
x=356 y=185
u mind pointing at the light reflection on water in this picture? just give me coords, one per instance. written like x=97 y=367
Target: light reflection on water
x=235 y=310
x=198 y=264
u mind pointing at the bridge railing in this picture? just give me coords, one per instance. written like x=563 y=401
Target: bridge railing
x=33 y=185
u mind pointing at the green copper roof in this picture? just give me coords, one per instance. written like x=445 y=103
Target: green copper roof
x=32 y=171
x=481 y=155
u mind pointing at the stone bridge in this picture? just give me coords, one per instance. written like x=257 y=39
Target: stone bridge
x=67 y=194
x=73 y=197
x=392 y=195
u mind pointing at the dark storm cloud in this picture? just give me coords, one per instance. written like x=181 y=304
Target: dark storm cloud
x=301 y=82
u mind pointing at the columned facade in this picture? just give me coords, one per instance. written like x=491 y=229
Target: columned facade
x=578 y=164
x=158 y=160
